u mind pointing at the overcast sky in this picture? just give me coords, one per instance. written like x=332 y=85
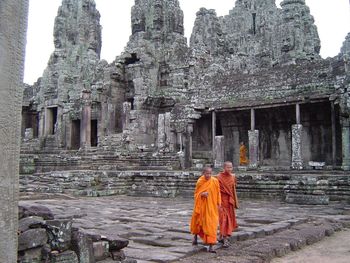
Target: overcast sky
x=332 y=18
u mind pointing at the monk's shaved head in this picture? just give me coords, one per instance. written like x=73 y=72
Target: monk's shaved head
x=227 y=163
x=207 y=169
x=228 y=167
x=207 y=172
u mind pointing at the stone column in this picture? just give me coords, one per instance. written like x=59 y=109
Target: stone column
x=13 y=25
x=253 y=136
x=253 y=149
x=346 y=145
x=161 y=136
x=297 y=160
x=41 y=123
x=297 y=113
x=213 y=132
x=252 y=119
x=334 y=141
x=48 y=130
x=85 y=124
x=188 y=147
x=126 y=115
x=219 y=152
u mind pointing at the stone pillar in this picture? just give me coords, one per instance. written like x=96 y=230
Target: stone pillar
x=180 y=141
x=297 y=113
x=346 y=145
x=161 y=136
x=253 y=149
x=219 y=152
x=334 y=141
x=253 y=136
x=85 y=124
x=213 y=132
x=48 y=130
x=41 y=123
x=252 y=119
x=13 y=25
x=297 y=160
x=126 y=115
x=188 y=147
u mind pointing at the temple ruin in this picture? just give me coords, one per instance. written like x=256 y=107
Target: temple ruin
x=164 y=108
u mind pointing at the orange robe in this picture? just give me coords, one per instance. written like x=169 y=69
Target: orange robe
x=243 y=160
x=229 y=202
x=205 y=217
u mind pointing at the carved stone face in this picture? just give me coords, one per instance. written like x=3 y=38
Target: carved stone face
x=288 y=42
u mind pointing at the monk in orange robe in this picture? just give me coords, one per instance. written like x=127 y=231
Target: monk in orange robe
x=205 y=217
x=243 y=160
x=229 y=202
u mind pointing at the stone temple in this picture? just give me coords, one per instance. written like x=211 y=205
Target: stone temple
x=165 y=108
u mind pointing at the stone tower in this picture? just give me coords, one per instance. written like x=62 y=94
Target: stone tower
x=71 y=69
x=256 y=34
x=154 y=62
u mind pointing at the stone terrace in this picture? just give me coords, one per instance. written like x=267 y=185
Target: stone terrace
x=158 y=228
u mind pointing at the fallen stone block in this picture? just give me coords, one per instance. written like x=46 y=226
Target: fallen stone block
x=118 y=255
x=101 y=250
x=64 y=257
x=36 y=210
x=32 y=238
x=33 y=255
x=116 y=243
x=31 y=222
x=81 y=244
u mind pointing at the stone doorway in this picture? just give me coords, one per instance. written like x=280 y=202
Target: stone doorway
x=94 y=138
x=75 y=135
x=51 y=120
x=30 y=120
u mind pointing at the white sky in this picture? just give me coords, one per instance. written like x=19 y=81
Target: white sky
x=332 y=18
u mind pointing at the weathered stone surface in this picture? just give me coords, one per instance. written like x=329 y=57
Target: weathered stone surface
x=101 y=250
x=64 y=257
x=297 y=161
x=118 y=255
x=37 y=210
x=30 y=222
x=13 y=26
x=311 y=199
x=81 y=244
x=32 y=238
x=159 y=226
x=116 y=243
x=33 y=255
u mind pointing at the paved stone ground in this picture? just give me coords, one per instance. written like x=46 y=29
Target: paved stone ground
x=158 y=229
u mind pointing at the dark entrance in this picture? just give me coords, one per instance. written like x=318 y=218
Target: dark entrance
x=94 y=139
x=75 y=135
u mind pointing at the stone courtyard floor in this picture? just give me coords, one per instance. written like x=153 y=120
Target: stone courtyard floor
x=158 y=228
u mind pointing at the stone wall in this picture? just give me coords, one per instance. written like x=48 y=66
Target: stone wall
x=104 y=183
x=312 y=187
